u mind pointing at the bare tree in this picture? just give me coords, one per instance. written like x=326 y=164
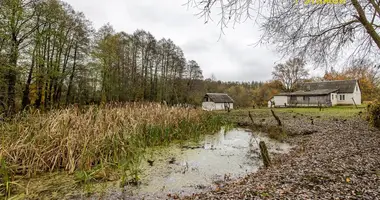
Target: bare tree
x=290 y=74
x=320 y=31
x=360 y=68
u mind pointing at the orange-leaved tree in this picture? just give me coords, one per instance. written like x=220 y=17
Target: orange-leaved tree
x=363 y=71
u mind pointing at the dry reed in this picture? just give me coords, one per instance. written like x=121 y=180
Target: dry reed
x=79 y=139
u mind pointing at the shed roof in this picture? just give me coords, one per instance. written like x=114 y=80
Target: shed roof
x=219 y=97
x=343 y=86
x=309 y=93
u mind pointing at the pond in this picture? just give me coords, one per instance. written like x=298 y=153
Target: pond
x=195 y=167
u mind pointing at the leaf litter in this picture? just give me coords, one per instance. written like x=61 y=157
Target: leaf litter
x=333 y=159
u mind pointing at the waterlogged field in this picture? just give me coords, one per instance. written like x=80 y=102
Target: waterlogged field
x=74 y=152
x=52 y=154
x=194 y=167
x=326 y=161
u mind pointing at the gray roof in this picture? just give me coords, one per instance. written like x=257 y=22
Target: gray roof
x=308 y=93
x=219 y=97
x=344 y=86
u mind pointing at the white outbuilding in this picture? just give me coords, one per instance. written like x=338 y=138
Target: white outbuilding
x=217 y=101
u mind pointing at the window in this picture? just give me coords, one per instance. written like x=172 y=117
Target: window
x=342 y=97
x=332 y=96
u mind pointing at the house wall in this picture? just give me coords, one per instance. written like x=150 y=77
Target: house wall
x=280 y=101
x=270 y=103
x=348 y=99
x=310 y=100
x=215 y=106
x=231 y=105
x=208 y=106
x=221 y=106
x=356 y=95
x=334 y=98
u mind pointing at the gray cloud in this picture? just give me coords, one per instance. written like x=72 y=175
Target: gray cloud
x=229 y=59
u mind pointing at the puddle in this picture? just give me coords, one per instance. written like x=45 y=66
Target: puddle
x=193 y=168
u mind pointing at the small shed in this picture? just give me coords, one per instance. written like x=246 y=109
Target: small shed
x=217 y=101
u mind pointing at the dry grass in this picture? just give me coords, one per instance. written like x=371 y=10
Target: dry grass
x=79 y=140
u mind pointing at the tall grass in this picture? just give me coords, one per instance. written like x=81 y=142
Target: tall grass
x=81 y=140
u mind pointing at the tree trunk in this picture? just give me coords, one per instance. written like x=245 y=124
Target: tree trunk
x=25 y=97
x=367 y=25
x=11 y=77
x=72 y=75
x=58 y=89
x=48 y=84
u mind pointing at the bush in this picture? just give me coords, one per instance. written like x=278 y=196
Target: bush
x=374 y=114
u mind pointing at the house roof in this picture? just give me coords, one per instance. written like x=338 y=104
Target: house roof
x=343 y=86
x=220 y=97
x=308 y=93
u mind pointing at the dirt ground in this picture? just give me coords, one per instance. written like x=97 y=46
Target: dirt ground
x=336 y=157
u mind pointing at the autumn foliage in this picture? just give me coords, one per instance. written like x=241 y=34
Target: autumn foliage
x=366 y=75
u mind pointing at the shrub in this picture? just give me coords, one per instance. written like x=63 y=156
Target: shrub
x=374 y=114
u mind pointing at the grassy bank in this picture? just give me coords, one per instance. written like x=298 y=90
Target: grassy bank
x=265 y=122
x=92 y=144
x=325 y=113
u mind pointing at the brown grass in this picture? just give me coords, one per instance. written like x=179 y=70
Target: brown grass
x=72 y=138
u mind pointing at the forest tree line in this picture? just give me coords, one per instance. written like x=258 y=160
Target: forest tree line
x=51 y=56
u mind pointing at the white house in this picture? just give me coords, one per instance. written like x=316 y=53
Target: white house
x=217 y=101
x=326 y=93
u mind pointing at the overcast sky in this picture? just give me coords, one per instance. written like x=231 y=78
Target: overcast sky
x=230 y=58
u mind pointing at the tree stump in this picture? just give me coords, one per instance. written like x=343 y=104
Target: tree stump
x=264 y=154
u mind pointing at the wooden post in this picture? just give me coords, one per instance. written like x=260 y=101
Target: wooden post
x=250 y=116
x=354 y=102
x=264 y=154
x=263 y=148
x=277 y=118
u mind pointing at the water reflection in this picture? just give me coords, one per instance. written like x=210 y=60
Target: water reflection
x=183 y=170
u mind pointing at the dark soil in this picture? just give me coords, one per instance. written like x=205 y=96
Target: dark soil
x=334 y=158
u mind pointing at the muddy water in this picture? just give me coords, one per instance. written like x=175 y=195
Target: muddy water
x=195 y=167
